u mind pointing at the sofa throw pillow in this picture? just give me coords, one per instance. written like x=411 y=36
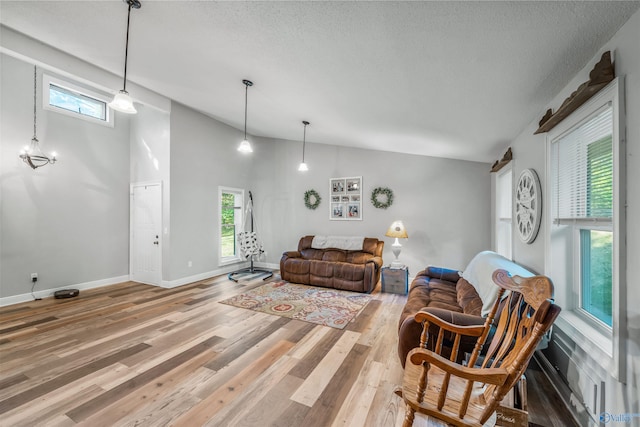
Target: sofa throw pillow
x=480 y=270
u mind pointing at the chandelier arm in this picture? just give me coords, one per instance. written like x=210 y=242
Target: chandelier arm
x=35 y=80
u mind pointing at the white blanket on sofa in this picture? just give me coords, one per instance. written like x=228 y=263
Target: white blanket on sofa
x=347 y=243
x=479 y=274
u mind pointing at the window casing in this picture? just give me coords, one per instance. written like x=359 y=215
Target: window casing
x=585 y=237
x=504 y=211
x=230 y=222
x=69 y=99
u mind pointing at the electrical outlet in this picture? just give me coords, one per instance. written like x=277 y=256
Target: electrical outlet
x=34 y=277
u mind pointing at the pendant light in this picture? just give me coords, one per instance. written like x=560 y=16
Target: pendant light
x=244 y=146
x=33 y=155
x=122 y=101
x=303 y=166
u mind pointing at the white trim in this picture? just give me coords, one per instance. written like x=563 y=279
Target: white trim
x=47 y=80
x=613 y=356
x=214 y=273
x=15 y=299
x=225 y=261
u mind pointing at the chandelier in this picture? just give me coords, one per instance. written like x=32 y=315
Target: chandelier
x=33 y=155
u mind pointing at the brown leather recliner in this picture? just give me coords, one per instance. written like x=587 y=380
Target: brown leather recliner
x=350 y=270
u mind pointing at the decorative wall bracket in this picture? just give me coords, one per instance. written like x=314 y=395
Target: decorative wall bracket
x=499 y=164
x=603 y=72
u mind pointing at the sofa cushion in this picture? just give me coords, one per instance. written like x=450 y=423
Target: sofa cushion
x=468 y=298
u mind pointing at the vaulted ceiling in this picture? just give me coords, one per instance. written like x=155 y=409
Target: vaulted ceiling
x=449 y=79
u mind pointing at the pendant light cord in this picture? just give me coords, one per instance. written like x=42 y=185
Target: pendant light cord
x=304 y=140
x=246 y=94
x=35 y=89
x=126 y=49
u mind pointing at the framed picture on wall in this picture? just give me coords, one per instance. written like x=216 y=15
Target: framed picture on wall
x=337 y=211
x=346 y=198
x=337 y=186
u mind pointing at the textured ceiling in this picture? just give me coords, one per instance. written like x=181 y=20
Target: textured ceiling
x=447 y=79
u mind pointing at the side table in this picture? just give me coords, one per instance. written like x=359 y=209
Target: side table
x=395 y=280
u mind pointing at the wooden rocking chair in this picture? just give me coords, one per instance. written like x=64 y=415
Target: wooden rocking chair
x=468 y=395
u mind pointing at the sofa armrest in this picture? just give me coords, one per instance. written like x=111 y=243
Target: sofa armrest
x=377 y=261
x=292 y=254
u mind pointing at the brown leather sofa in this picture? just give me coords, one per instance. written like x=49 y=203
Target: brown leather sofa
x=454 y=298
x=351 y=270
x=444 y=293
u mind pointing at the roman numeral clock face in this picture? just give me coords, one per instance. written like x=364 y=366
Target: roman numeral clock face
x=528 y=205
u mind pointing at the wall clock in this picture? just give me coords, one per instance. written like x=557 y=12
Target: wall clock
x=528 y=205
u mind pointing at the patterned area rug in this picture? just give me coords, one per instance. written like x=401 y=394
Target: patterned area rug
x=323 y=306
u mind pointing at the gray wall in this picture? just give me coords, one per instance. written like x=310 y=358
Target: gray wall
x=443 y=203
x=68 y=222
x=203 y=156
x=529 y=152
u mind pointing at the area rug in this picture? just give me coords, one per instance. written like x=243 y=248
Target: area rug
x=322 y=306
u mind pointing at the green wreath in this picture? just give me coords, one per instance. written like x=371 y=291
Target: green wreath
x=307 y=199
x=382 y=191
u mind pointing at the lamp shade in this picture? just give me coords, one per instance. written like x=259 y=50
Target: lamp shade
x=122 y=102
x=397 y=230
x=303 y=167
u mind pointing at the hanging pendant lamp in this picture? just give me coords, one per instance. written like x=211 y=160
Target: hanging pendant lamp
x=244 y=146
x=303 y=166
x=33 y=155
x=122 y=101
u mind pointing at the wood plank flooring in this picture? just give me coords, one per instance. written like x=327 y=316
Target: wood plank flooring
x=139 y=355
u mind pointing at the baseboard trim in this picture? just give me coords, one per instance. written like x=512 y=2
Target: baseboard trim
x=559 y=386
x=45 y=293
x=217 y=272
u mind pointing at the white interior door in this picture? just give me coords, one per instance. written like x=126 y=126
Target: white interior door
x=146 y=226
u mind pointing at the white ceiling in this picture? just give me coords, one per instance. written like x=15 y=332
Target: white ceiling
x=447 y=79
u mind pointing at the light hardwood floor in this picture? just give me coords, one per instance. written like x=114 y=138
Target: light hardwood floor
x=138 y=355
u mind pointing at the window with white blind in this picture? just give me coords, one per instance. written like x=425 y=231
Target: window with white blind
x=586 y=216
x=503 y=211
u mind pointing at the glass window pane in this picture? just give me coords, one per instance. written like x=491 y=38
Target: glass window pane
x=76 y=102
x=228 y=240
x=596 y=249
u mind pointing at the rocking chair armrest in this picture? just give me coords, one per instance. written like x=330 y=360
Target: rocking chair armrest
x=470 y=330
x=495 y=376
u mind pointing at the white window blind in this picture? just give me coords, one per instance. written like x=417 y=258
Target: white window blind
x=581 y=168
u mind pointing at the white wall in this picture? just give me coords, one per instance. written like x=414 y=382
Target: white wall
x=529 y=152
x=445 y=204
x=68 y=222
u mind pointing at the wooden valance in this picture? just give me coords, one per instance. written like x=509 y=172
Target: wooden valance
x=599 y=77
x=499 y=164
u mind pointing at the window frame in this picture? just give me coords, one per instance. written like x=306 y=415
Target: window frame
x=607 y=346
x=48 y=80
x=498 y=220
x=239 y=224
